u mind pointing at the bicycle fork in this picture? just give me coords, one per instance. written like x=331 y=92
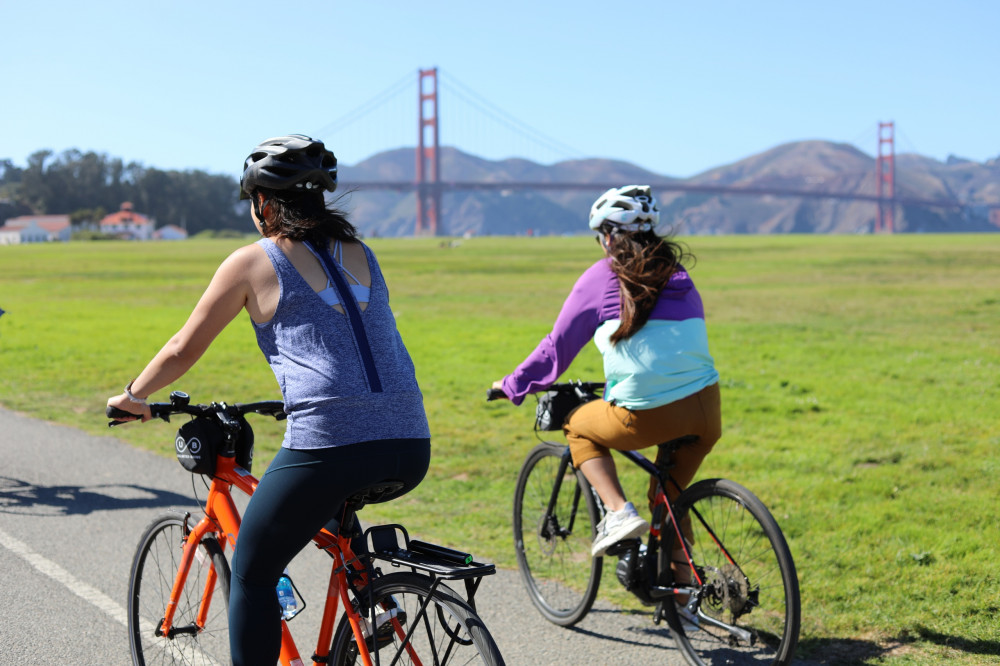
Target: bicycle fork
x=551 y=528
x=221 y=519
x=192 y=541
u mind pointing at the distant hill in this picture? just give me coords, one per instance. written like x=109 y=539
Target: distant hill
x=805 y=165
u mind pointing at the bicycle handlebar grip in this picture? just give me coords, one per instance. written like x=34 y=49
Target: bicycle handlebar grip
x=118 y=415
x=115 y=413
x=495 y=394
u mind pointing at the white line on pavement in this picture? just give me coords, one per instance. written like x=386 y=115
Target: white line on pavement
x=46 y=566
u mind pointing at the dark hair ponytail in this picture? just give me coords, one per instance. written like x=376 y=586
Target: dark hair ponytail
x=643 y=262
x=304 y=217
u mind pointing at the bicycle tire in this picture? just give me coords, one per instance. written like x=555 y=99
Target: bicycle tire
x=755 y=588
x=553 y=552
x=448 y=633
x=154 y=569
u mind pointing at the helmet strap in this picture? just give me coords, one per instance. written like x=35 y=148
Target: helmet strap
x=257 y=210
x=604 y=237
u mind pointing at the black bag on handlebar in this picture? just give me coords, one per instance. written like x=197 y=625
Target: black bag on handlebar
x=198 y=443
x=244 y=444
x=554 y=406
x=202 y=439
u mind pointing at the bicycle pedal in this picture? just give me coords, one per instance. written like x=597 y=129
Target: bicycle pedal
x=623 y=547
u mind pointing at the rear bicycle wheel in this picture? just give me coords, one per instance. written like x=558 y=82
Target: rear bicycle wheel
x=553 y=548
x=447 y=633
x=747 y=605
x=153 y=571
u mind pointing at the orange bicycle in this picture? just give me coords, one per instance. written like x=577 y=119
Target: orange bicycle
x=178 y=594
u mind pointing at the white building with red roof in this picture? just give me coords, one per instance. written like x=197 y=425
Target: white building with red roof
x=35 y=229
x=127 y=223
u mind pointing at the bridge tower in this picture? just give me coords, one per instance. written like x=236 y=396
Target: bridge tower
x=885 y=178
x=428 y=166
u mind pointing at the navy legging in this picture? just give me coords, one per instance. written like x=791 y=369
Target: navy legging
x=301 y=492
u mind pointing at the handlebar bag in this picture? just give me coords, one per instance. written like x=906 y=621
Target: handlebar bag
x=197 y=444
x=244 y=444
x=554 y=407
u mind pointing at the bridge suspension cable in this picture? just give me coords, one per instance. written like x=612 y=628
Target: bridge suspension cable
x=388 y=124
x=451 y=86
x=474 y=125
x=362 y=111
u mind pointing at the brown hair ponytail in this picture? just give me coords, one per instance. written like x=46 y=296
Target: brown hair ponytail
x=643 y=263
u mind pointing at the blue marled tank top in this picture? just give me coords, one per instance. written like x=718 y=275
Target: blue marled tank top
x=312 y=351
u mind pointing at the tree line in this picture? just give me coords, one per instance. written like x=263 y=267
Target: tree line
x=87 y=186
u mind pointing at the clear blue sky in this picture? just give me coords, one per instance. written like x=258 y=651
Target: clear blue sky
x=675 y=87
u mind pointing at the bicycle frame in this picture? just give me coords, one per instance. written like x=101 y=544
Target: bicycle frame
x=656 y=592
x=661 y=500
x=223 y=518
x=659 y=592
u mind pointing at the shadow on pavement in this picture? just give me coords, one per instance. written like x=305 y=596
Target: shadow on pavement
x=841 y=651
x=639 y=635
x=23 y=498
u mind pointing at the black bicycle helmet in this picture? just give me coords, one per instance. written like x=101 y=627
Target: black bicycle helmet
x=289 y=162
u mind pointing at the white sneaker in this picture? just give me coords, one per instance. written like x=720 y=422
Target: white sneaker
x=617 y=526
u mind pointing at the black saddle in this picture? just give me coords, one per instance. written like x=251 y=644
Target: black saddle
x=380 y=492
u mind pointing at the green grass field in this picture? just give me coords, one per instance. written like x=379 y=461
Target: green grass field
x=861 y=384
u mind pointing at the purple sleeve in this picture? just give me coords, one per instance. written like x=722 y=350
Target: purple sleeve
x=594 y=297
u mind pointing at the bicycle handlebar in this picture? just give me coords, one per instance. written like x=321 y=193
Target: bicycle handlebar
x=574 y=387
x=180 y=403
x=577 y=386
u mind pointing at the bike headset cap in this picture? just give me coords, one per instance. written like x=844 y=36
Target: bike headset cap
x=292 y=162
x=629 y=208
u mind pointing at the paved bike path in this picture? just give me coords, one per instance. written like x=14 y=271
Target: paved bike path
x=72 y=508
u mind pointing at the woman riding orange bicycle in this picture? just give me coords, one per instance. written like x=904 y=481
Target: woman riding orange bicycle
x=642 y=310
x=320 y=310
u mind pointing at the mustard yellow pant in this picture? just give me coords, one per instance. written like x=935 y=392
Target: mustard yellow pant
x=598 y=426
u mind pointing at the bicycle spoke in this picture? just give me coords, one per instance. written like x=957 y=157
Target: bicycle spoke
x=418 y=627
x=747 y=603
x=553 y=547
x=156 y=563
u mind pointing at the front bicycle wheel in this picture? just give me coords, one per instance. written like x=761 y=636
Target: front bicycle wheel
x=416 y=626
x=745 y=607
x=192 y=641
x=553 y=546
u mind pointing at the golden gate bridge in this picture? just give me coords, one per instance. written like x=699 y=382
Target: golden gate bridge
x=430 y=187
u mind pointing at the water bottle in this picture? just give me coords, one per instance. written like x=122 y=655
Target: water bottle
x=286 y=597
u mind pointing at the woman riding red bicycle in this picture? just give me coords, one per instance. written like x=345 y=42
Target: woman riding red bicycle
x=320 y=310
x=642 y=310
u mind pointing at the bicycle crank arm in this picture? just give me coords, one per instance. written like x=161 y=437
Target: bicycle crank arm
x=658 y=593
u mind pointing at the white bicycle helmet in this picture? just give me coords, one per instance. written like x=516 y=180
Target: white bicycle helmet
x=629 y=208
